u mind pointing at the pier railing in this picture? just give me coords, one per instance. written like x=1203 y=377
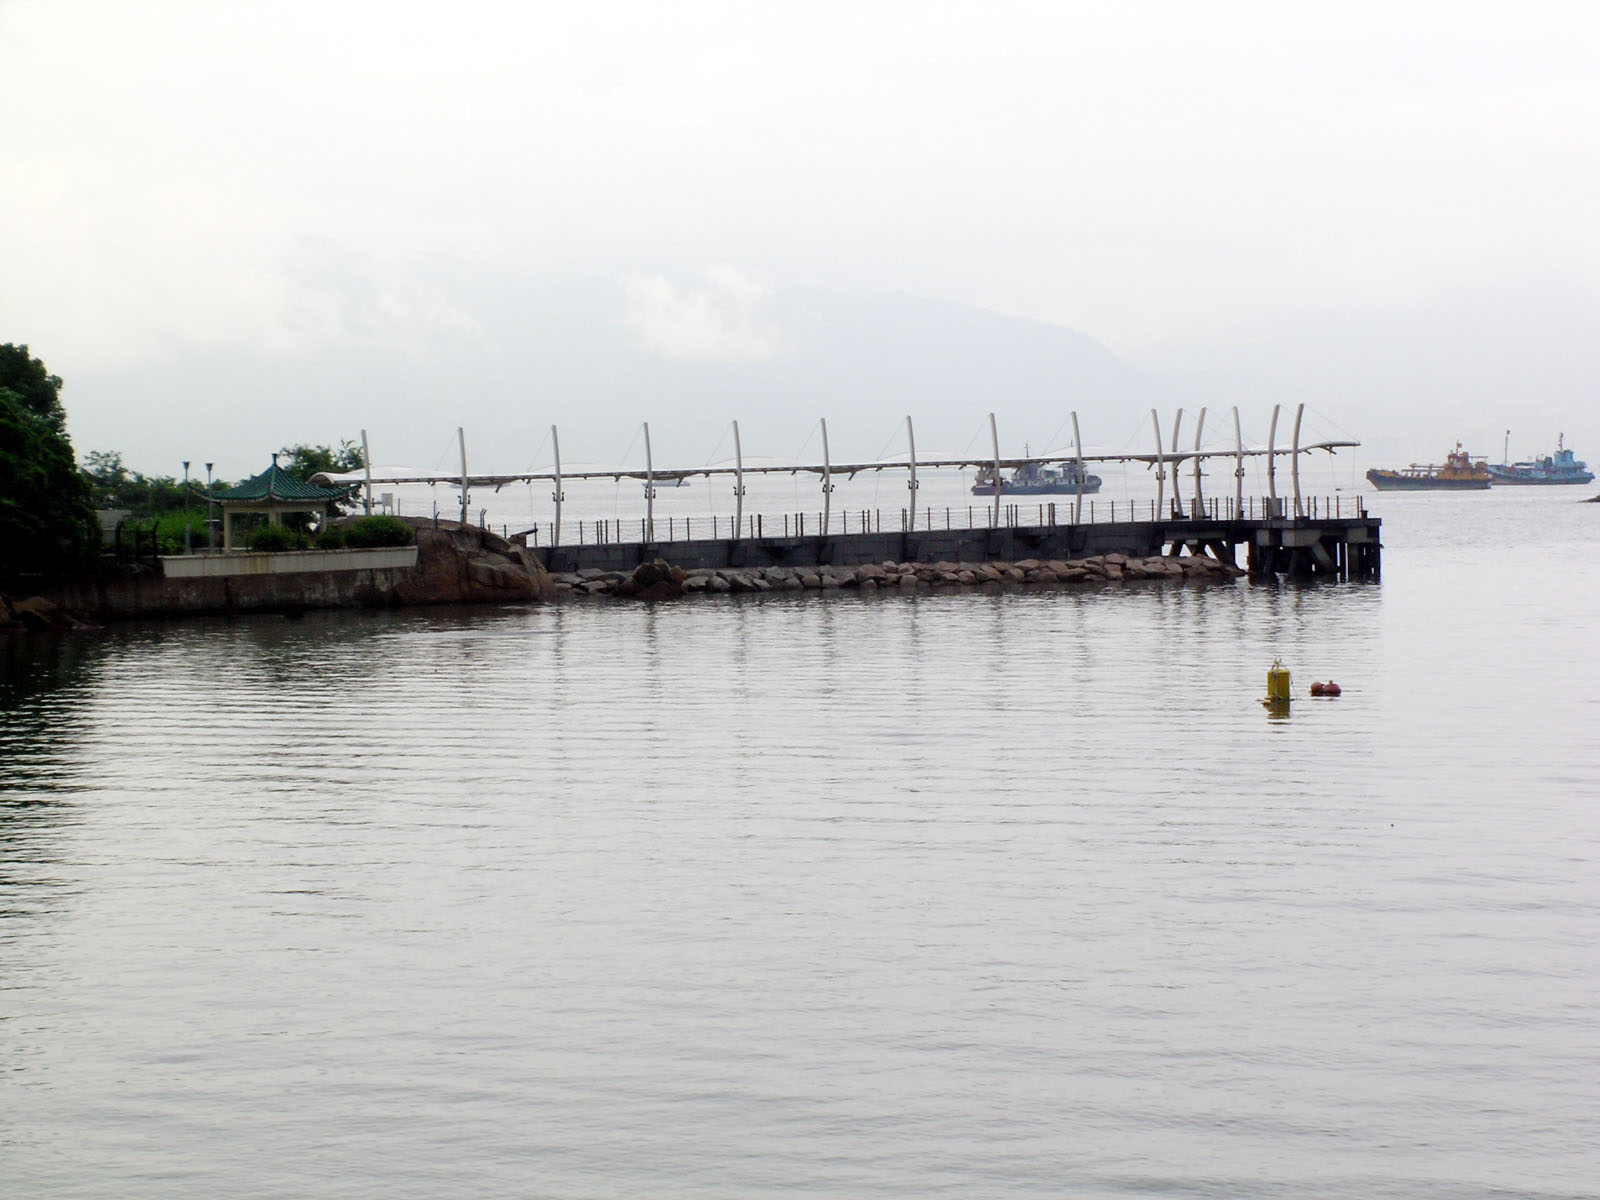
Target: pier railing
x=1039 y=515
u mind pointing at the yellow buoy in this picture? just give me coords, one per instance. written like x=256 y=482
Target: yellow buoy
x=1279 y=688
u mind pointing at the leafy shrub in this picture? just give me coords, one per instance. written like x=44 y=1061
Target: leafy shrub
x=275 y=537
x=169 y=532
x=330 y=537
x=365 y=532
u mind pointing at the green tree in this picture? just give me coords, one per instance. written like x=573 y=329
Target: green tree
x=110 y=484
x=46 y=522
x=305 y=461
x=38 y=391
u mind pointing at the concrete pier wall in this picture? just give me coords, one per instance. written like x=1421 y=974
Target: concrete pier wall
x=1276 y=546
x=286 y=562
x=450 y=564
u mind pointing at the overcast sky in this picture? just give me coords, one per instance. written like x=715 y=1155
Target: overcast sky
x=1388 y=209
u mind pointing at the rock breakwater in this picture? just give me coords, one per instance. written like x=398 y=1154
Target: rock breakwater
x=659 y=579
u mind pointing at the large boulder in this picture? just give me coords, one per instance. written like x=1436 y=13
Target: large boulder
x=462 y=564
x=36 y=614
x=654 y=580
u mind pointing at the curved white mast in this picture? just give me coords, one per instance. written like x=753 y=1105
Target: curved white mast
x=994 y=438
x=1077 y=442
x=738 y=482
x=649 y=489
x=1161 y=464
x=1238 y=467
x=911 y=484
x=558 y=495
x=1272 y=461
x=1294 y=463
x=827 y=480
x=1177 y=492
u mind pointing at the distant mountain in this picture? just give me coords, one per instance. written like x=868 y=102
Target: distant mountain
x=584 y=358
x=865 y=362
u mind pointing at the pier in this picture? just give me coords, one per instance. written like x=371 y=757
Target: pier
x=1332 y=537
x=1336 y=545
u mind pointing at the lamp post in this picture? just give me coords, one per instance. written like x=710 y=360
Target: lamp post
x=211 y=525
x=188 y=546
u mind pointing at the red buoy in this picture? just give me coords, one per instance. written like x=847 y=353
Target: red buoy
x=1325 y=689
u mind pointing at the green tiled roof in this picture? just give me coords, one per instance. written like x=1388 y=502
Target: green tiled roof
x=277 y=484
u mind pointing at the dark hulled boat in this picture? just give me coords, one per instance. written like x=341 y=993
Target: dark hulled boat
x=1460 y=472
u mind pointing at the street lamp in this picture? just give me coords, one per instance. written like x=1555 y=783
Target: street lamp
x=211 y=528
x=188 y=547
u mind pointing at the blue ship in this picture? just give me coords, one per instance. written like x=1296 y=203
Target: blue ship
x=1032 y=479
x=1561 y=467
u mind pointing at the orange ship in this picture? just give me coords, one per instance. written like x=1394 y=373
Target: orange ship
x=1461 y=472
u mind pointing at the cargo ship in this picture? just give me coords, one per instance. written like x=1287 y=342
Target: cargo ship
x=1561 y=467
x=1460 y=472
x=1032 y=479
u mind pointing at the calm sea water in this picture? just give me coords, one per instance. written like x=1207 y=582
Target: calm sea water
x=832 y=896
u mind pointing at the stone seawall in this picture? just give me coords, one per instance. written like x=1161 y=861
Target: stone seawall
x=1003 y=544
x=661 y=579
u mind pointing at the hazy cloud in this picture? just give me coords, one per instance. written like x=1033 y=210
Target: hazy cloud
x=1382 y=208
x=729 y=318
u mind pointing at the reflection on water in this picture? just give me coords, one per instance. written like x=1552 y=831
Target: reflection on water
x=977 y=894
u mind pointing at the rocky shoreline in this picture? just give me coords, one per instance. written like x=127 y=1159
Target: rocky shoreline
x=660 y=579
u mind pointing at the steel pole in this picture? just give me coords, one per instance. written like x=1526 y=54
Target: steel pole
x=461 y=436
x=1199 y=499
